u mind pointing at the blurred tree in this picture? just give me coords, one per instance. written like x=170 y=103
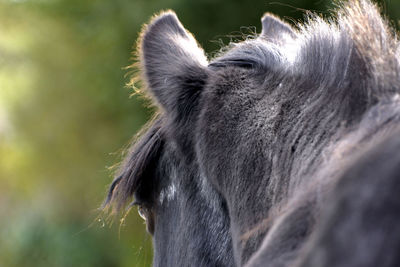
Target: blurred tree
x=64 y=109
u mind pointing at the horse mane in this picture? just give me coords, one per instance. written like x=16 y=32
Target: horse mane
x=136 y=169
x=357 y=56
x=328 y=51
x=358 y=45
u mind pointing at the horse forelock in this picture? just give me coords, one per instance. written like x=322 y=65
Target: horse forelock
x=138 y=166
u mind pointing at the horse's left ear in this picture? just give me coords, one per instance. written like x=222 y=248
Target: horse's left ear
x=173 y=64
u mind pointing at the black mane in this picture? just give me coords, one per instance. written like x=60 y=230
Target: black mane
x=137 y=170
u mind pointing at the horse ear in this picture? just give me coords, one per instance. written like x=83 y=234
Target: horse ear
x=172 y=62
x=275 y=30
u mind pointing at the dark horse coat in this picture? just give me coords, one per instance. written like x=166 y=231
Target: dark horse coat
x=283 y=151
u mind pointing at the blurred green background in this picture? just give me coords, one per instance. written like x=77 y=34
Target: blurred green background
x=65 y=117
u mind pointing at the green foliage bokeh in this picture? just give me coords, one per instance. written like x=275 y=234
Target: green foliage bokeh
x=66 y=115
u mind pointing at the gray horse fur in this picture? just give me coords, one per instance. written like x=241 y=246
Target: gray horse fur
x=283 y=151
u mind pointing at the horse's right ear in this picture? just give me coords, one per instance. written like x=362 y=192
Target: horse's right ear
x=173 y=64
x=275 y=30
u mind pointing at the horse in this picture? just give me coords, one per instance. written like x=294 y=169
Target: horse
x=281 y=151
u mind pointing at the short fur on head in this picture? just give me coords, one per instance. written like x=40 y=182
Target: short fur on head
x=253 y=143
